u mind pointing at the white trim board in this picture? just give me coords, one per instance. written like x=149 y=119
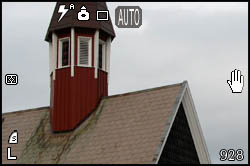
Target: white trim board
x=72 y=51
x=195 y=127
x=108 y=50
x=96 y=49
x=54 y=53
x=51 y=58
x=186 y=99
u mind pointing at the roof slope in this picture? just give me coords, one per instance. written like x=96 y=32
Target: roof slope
x=70 y=18
x=124 y=128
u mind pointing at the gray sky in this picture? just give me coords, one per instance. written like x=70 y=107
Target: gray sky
x=198 y=42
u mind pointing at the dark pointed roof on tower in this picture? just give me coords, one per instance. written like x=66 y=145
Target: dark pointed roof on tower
x=70 y=18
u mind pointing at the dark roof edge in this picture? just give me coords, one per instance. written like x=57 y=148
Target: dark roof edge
x=145 y=90
x=169 y=124
x=47 y=33
x=21 y=111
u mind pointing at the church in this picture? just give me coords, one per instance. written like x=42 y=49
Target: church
x=83 y=124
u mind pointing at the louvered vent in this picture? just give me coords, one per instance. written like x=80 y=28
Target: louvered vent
x=84 y=51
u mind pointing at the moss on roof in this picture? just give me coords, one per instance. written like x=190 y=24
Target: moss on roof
x=56 y=145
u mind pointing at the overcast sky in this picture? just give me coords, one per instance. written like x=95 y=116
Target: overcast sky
x=198 y=42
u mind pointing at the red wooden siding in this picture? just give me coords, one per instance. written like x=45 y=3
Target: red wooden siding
x=75 y=97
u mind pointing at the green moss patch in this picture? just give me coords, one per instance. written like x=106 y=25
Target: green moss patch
x=47 y=147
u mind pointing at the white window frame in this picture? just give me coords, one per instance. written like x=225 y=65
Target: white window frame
x=61 y=40
x=103 y=43
x=89 y=51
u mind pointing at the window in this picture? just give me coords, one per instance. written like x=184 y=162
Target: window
x=65 y=53
x=64 y=48
x=84 y=51
x=101 y=55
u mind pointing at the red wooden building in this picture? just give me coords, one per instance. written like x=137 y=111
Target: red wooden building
x=157 y=125
x=79 y=53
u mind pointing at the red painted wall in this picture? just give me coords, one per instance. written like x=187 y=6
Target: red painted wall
x=75 y=97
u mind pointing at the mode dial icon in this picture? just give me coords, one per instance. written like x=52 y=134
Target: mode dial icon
x=83 y=15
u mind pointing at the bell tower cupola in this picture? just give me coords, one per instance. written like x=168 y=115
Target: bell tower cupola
x=79 y=57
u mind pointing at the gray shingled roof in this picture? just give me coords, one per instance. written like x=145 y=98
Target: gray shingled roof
x=126 y=128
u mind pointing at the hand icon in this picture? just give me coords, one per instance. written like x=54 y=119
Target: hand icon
x=237 y=81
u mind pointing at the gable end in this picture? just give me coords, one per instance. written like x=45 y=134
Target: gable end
x=185 y=100
x=179 y=147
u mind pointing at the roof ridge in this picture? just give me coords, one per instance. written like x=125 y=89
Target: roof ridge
x=145 y=90
x=107 y=97
x=22 y=111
